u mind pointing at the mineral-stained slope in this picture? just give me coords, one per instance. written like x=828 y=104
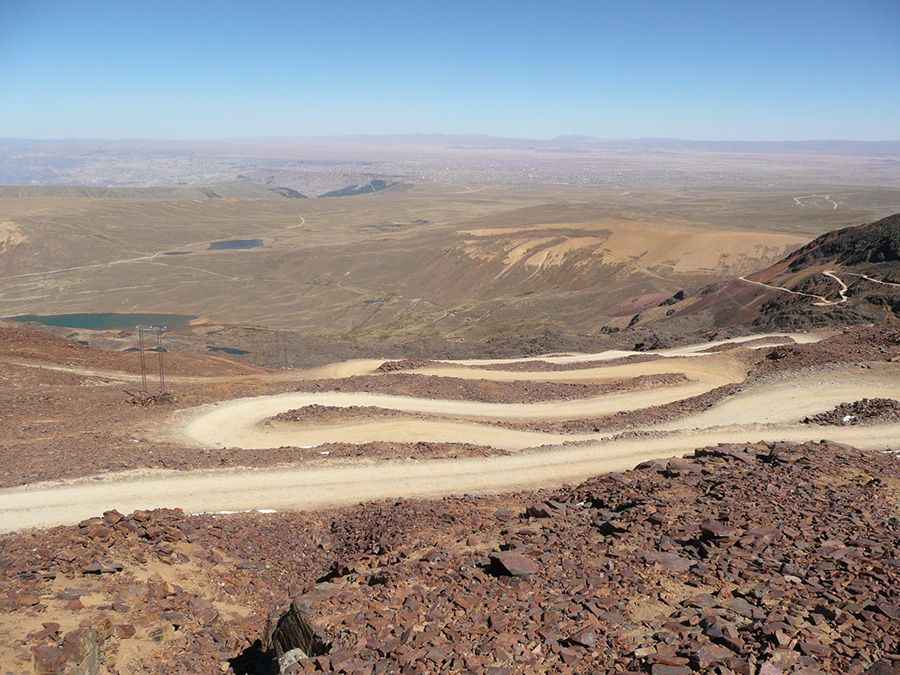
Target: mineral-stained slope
x=847 y=276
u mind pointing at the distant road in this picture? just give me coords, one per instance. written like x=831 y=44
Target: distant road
x=822 y=301
x=874 y=281
x=799 y=200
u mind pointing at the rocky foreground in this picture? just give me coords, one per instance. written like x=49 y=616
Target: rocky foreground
x=747 y=559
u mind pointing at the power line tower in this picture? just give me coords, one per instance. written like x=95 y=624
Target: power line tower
x=145 y=332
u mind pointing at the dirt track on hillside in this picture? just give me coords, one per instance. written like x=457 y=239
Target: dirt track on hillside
x=763 y=411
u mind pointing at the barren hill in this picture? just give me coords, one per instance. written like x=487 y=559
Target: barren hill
x=847 y=276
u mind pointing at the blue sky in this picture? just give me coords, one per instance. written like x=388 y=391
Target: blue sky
x=705 y=70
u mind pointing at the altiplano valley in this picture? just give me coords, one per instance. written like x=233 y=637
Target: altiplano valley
x=448 y=363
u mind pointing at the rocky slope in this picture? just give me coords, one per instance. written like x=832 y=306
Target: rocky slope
x=743 y=559
x=874 y=243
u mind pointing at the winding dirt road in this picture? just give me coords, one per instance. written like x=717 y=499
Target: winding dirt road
x=820 y=300
x=765 y=411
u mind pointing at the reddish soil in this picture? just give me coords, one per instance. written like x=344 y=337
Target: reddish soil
x=456 y=388
x=730 y=346
x=326 y=414
x=866 y=411
x=406 y=364
x=855 y=345
x=629 y=418
x=520 y=366
x=547 y=366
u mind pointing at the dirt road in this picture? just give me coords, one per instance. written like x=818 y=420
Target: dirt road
x=821 y=300
x=43 y=506
x=765 y=411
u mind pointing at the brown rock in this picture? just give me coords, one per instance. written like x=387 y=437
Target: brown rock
x=26 y=599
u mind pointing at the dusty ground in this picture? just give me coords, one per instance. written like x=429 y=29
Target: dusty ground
x=463 y=389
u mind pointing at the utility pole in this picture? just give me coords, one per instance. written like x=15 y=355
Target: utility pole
x=160 y=355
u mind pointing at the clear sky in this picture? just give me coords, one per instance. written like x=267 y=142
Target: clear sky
x=729 y=69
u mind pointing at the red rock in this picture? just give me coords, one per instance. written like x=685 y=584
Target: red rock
x=514 y=564
x=125 y=631
x=539 y=511
x=498 y=621
x=743 y=608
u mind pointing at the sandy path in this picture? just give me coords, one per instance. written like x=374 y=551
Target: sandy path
x=237 y=423
x=802 y=395
x=612 y=354
x=714 y=369
x=820 y=300
x=53 y=504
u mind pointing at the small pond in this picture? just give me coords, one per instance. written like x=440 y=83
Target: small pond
x=231 y=244
x=107 y=321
